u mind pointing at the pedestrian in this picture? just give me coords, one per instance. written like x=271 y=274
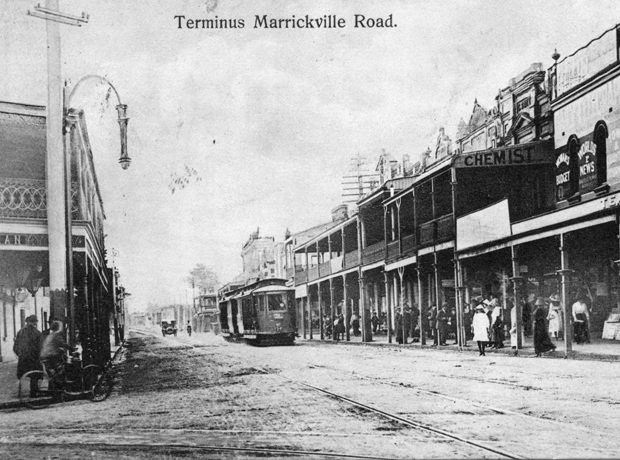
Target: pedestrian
x=375 y=322
x=336 y=334
x=489 y=307
x=526 y=315
x=581 y=317
x=498 y=332
x=432 y=323
x=480 y=328
x=555 y=318
x=406 y=322
x=355 y=324
x=54 y=347
x=415 y=317
x=27 y=347
x=340 y=327
x=468 y=317
x=189 y=328
x=443 y=317
x=542 y=342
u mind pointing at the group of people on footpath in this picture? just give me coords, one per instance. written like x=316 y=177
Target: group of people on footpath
x=545 y=323
x=35 y=349
x=485 y=323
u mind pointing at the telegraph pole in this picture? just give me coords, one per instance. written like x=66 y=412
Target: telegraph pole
x=56 y=164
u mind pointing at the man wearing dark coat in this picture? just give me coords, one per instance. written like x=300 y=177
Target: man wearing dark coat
x=443 y=317
x=27 y=348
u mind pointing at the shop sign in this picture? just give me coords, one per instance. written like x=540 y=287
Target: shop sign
x=587 y=167
x=611 y=201
x=586 y=62
x=17 y=239
x=514 y=155
x=562 y=176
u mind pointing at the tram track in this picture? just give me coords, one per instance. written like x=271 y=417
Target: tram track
x=405 y=419
x=203 y=448
x=497 y=410
x=397 y=418
x=436 y=394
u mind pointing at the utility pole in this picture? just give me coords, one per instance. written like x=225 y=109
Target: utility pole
x=359 y=181
x=57 y=167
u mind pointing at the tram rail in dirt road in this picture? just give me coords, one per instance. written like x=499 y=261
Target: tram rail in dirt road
x=402 y=420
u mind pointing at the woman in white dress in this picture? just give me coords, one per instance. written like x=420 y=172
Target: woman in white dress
x=480 y=327
x=555 y=317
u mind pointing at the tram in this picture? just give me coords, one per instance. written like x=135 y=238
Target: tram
x=262 y=313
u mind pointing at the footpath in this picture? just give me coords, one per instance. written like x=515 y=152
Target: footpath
x=597 y=350
x=9 y=384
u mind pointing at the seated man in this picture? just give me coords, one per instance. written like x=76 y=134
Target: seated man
x=53 y=349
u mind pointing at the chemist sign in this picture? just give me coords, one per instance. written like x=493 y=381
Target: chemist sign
x=513 y=155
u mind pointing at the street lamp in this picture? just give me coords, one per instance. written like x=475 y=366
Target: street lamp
x=121 y=108
x=33 y=283
x=71 y=118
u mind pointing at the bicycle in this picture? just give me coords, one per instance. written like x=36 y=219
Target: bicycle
x=69 y=379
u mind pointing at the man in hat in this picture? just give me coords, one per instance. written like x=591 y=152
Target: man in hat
x=27 y=347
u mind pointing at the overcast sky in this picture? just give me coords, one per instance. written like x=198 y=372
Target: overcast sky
x=268 y=119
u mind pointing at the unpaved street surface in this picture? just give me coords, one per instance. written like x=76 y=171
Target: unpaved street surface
x=201 y=397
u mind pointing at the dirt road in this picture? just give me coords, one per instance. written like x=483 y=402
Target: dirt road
x=201 y=397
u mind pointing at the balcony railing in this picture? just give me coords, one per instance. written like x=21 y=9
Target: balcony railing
x=427 y=233
x=325 y=269
x=350 y=259
x=393 y=250
x=28 y=198
x=445 y=227
x=373 y=253
x=301 y=276
x=313 y=273
x=408 y=244
x=441 y=229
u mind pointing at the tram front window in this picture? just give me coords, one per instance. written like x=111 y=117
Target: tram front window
x=276 y=302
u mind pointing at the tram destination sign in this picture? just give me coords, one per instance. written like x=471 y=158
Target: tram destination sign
x=513 y=155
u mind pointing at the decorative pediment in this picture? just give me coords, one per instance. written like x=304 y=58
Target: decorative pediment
x=523 y=119
x=387 y=166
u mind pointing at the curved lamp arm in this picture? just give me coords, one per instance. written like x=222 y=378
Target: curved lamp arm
x=121 y=108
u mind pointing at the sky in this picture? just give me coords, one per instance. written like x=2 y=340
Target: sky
x=267 y=120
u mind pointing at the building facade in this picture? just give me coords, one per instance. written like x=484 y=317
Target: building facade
x=24 y=246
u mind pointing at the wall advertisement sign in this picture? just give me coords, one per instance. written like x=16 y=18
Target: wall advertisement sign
x=587 y=167
x=586 y=62
x=562 y=176
x=587 y=170
x=580 y=118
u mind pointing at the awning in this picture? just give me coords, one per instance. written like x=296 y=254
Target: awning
x=375 y=265
x=537 y=236
x=401 y=263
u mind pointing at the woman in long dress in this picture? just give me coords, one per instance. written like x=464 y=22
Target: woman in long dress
x=542 y=342
x=555 y=319
x=480 y=326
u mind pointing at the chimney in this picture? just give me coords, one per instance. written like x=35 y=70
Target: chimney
x=340 y=212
